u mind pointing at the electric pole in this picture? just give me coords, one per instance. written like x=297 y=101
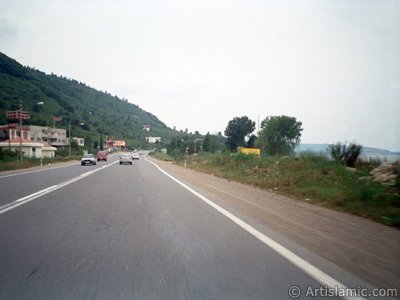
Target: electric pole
x=69 y=140
x=20 y=131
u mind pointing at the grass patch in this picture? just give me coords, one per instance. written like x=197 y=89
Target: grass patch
x=161 y=156
x=311 y=177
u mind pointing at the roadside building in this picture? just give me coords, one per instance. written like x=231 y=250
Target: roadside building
x=120 y=144
x=78 y=140
x=46 y=134
x=9 y=139
x=48 y=151
x=153 y=139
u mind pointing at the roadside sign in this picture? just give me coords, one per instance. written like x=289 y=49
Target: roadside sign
x=24 y=115
x=57 y=118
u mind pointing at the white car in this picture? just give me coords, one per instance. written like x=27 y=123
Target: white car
x=88 y=159
x=125 y=159
x=135 y=155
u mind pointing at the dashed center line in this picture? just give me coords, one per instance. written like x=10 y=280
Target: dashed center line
x=31 y=197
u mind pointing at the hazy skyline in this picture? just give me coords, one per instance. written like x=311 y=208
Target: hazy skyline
x=334 y=65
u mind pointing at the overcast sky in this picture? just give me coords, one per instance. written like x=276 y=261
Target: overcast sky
x=334 y=65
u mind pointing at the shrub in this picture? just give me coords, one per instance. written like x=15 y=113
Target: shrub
x=8 y=155
x=343 y=153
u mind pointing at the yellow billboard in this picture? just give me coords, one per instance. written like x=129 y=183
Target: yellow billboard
x=255 y=151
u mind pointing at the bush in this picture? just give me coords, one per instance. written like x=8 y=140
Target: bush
x=8 y=155
x=343 y=153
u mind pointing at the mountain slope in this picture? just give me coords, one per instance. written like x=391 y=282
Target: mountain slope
x=92 y=113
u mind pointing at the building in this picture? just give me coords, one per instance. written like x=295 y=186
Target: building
x=146 y=127
x=119 y=143
x=78 y=140
x=10 y=132
x=45 y=134
x=113 y=145
x=9 y=139
x=48 y=151
x=153 y=139
x=108 y=144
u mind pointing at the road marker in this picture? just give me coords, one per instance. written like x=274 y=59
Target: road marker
x=299 y=262
x=29 y=198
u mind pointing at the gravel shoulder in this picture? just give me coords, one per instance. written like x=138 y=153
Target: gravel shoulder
x=362 y=247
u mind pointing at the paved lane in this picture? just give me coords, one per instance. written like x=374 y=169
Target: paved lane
x=22 y=184
x=130 y=232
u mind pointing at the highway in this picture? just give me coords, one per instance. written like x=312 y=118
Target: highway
x=129 y=232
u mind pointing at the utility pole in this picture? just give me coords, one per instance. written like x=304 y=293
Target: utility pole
x=9 y=136
x=20 y=131
x=17 y=114
x=69 y=140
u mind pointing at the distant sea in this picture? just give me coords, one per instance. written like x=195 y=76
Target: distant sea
x=368 y=153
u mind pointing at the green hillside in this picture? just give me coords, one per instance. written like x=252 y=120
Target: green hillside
x=92 y=113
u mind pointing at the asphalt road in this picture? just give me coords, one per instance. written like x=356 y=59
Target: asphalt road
x=129 y=232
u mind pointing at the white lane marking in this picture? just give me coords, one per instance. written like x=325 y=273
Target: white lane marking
x=299 y=262
x=41 y=170
x=29 y=198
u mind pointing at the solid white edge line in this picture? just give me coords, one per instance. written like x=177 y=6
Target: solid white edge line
x=299 y=262
x=9 y=206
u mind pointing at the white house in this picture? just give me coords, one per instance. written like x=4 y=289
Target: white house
x=9 y=139
x=78 y=140
x=48 y=151
x=153 y=139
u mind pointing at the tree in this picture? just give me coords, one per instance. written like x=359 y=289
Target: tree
x=236 y=131
x=210 y=143
x=251 y=143
x=172 y=146
x=279 y=135
x=101 y=143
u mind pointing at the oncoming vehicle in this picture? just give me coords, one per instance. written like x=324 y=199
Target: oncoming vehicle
x=101 y=155
x=135 y=155
x=88 y=159
x=125 y=159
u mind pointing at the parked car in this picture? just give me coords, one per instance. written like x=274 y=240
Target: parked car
x=101 y=155
x=125 y=159
x=135 y=155
x=88 y=159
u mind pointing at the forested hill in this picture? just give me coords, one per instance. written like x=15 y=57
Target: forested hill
x=92 y=112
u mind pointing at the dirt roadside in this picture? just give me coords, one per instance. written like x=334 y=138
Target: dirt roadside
x=367 y=249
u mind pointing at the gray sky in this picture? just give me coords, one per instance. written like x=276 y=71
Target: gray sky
x=334 y=65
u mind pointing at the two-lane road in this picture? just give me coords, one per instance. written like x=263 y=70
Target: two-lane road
x=130 y=232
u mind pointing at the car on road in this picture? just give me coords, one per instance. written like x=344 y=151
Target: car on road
x=101 y=155
x=135 y=155
x=125 y=158
x=88 y=159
